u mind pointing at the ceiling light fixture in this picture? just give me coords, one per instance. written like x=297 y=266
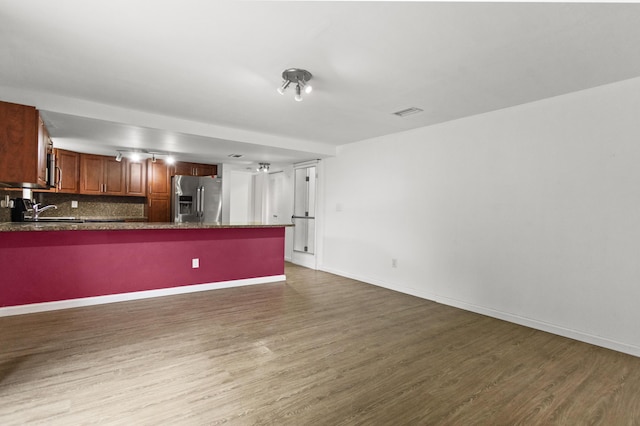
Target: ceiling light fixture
x=300 y=78
x=136 y=155
x=264 y=167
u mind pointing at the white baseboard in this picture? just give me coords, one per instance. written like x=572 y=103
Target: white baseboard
x=506 y=316
x=122 y=297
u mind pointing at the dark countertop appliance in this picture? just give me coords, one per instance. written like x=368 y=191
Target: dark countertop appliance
x=20 y=206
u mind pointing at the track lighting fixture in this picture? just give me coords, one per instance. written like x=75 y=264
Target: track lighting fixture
x=140 y=154
x=263 y=167
x=300 y=78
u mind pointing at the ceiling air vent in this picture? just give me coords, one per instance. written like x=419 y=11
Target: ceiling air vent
x=408 y=111
x=235 y=155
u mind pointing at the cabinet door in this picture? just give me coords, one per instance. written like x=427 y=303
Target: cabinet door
x=158 y=178
x=44 y=143
x=18 y=143
x=186 y=169
x=91 y=174
x=206 y=169
x=159 y=209
x=136 y=178
x=113 y=176
x=67 y=171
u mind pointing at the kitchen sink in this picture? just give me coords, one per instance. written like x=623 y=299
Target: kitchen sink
x=55 y=220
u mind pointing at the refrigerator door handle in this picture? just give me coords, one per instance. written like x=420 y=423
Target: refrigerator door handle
x=176 y=208
x=202 y=201
x=197 y=207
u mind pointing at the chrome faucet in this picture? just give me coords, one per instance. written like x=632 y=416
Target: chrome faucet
x=37 y=210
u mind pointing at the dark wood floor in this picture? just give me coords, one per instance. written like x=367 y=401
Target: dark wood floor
x=316 y=350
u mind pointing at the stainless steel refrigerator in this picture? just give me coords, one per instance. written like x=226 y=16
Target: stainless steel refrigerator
x=196 y=199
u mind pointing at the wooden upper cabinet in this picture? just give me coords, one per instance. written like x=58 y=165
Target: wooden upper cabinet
x=136 y=175
x=158 y=178
x=183 y=169
x=195 y=169
x=207 y=169
x=91 y=174
x=159 y=191
x=44 y=147
x=23 y=146
x=101 y=175
x=67 y=171
x=114 y=176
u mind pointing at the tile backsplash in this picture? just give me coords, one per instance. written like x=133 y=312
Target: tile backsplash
x=89 y=206
x=5 y=213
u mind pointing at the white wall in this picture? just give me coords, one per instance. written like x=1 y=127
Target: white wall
x=240 y=197
x=530 y=214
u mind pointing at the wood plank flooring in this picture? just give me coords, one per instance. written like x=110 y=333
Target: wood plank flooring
x=316 y=350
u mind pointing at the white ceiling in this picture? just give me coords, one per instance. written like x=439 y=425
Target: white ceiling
x=199 y=78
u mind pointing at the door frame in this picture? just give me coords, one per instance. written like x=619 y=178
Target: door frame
x=309 y=260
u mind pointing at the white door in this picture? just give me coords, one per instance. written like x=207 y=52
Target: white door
x=304 y=216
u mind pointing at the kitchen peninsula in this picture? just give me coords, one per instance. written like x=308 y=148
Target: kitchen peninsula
x=62 y=265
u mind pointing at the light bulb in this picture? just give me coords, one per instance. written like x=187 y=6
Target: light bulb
x=284 y=86
x=170 y=160
x=308 y=89
x=135 y=157
x=298 y=96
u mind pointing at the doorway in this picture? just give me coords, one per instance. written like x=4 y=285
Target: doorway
x=304 y=215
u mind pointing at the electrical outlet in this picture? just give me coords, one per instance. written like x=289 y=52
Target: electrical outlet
x=74 y=204
x=195 y=263
x=394 y=263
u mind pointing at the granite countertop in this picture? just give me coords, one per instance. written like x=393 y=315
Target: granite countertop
x=124 y=226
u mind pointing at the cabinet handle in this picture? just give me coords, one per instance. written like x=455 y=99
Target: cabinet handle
x=59 y=173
